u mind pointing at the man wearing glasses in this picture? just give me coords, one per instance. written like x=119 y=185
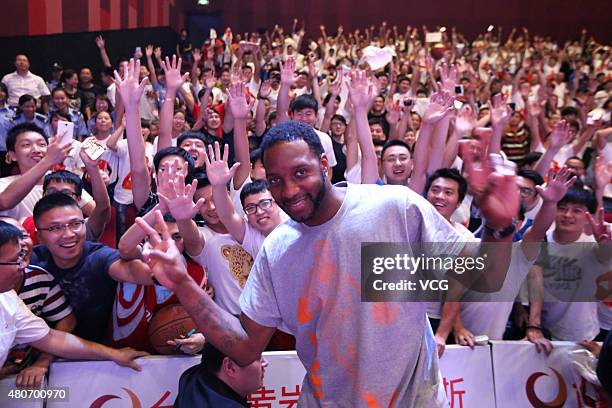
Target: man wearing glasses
x=527 y=180
x=21 y=326
x=86 y=271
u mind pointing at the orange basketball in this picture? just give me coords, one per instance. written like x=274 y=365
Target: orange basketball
x=169 y=323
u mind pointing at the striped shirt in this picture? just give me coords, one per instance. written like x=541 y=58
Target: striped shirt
x=43 y=296
x=517 y=144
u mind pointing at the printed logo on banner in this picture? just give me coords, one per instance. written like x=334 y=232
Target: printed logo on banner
x=557 y=402
x=100 y=401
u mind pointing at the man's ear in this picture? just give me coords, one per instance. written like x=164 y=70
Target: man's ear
x=228 y=367
x=324 y=163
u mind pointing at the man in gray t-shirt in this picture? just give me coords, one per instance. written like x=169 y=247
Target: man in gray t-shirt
x=307 y=278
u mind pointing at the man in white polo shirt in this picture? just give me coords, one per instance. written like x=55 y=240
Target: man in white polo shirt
x=22 y=82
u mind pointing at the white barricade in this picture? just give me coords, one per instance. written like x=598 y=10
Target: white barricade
x=526 y=378
x=468 y=376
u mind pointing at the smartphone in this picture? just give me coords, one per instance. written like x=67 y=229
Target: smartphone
x=458 y=104
x=459 y=89
x=66 y=129
x=92 y=149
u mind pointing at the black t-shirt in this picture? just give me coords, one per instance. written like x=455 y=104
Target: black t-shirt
x=87 y=286
x=604 y=364
x=89 y=95
x=340 y=167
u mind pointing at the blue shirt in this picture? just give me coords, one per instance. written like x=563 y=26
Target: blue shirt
x=87 y=286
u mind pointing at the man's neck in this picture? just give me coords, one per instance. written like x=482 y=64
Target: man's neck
x=19 y=286
x=23 y=73
x=66 y=264
x=563 y=237
x=218 y=228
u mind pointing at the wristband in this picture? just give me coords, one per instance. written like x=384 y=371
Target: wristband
x=534 y=327
x=502 y=232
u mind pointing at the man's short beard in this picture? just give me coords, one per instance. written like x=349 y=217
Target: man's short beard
x=316 y=201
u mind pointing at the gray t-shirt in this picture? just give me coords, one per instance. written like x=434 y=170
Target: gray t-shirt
x=308 y=280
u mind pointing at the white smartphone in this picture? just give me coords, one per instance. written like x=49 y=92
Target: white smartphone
x=66 y=129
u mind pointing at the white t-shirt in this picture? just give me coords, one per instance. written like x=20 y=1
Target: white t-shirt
x=18 y=324
x=308 y=278
x=25 y=207
x=575 y=270
x=328 y=147
x=123 y=188
x=228 y=266
x=490 y=316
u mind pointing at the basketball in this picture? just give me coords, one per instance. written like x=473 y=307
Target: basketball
x=169 y=323
x=437 y=51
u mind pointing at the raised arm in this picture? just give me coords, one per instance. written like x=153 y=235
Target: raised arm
x=603 y=177
x=464 y=124
x=242 y=340
x=174 y=80
x=129 y=244
x=334 y=89
x=103 y=54
x=559 y=137
x=101 y=215
x=150 y=65
x=240 y=108
x=500 y=115
x=440 y=133
x=131 y=93
x=362 y=91
x=260 y=113
x=21 y=186
x=288 y=78
x=219 y=174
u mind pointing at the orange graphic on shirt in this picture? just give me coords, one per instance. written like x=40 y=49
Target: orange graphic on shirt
x=127 y=181
x=328 y=288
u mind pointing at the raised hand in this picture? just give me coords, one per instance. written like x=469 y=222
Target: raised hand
x=496 y=194
x=178 y=197
x=162 y=255
x=448 y=78
x=556 y=185
x=209 y=79
x=362 y=90
x=500 y=112
x=172 y=69
x=602 y=231
x=440 y=105
x=197 y=55
x=560 y=135
x=288 y=75
x=466 y=120
x=265 y=89
x=100 y=42
x=335 y=87
x=128 y=87
x=217 y=170
x=57 y=151
x=149 y=51
x=394 y=113
x=90 y=165
x=603 y=173
x=237 y=100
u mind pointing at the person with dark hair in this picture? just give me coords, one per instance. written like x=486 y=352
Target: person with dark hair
x=378 y=130
x=89 y=89
x=337 y=129
x=303 y=109
x=86 y=271
x=21 y=326
x=27 y=145
x=527 y=180
x=22 y=81
x=396 y=162
x=100 y=103
x=43 y=296
x=27 y=113
x=219 y=382
x=319 y=300
x=59 y=97
x=258 y=171
x=195 y=143
x=576 y=259
x=76 y=99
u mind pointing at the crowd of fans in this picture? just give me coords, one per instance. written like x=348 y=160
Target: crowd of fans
x=181 y=134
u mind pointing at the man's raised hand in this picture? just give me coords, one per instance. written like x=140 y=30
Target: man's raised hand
x=362 y=90
x=440 y=105
x=129 y=87
x=217 y=170
x=556 y=185
x=237 y=100
x=172 y=69
x=288 y=75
